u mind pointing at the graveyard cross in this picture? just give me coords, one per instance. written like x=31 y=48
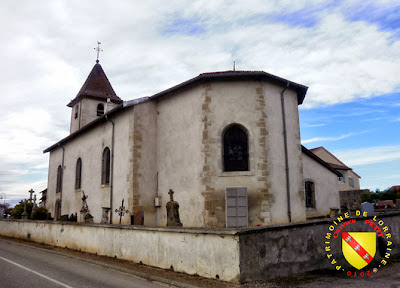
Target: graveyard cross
x=171 y=194
x=30 y=197
x=121 y=211
x=24 y=215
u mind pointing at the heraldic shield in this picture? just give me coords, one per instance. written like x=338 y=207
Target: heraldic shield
x=359 y=248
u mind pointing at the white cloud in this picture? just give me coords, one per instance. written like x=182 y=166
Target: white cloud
x=320 y=139
x=371 y=155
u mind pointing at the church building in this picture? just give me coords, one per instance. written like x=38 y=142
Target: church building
x=215 y=131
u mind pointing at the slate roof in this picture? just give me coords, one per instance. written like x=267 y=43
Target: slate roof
x=96 y=86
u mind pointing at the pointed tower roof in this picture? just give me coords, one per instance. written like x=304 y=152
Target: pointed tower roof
x=96 y=86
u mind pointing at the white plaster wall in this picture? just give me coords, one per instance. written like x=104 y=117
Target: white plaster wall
x=190 y=119
x=206 y=253
x=144 y=157
x=234 y=102
x=179 y=154
x=325 y=183
x=55 y=159
x=276 y=154
x=87 y=112
x=89 y=147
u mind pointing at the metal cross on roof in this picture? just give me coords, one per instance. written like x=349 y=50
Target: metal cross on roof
x=98 y=49
x=121 y=211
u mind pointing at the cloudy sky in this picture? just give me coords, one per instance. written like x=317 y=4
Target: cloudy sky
x=347 y=52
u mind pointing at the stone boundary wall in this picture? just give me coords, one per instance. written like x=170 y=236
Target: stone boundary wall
x=235 y=255
x=206 y=252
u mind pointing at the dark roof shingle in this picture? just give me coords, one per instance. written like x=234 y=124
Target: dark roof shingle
x=96 y=86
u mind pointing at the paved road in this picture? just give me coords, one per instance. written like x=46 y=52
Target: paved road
x=23 y=266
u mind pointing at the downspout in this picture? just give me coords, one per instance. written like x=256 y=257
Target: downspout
x=112 y=169
x=62 y=176
x=289 y=211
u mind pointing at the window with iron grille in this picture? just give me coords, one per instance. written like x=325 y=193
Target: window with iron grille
x=236 y=151
x=310 y=194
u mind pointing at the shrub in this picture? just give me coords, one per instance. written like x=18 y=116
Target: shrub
x=39 y=214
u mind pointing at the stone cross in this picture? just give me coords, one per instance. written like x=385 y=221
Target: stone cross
x=171 y=195
x=24 y=215
x=85 y=211
x=30 y=197
x=173 y=211
x=121 y=211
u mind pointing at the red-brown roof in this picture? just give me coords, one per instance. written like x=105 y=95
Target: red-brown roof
x=340 y=166
x=319 y=160
x=96 y=86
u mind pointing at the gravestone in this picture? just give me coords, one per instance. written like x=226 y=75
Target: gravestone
x=173 y=211
x=334 y=212
x=88 y=218
x=368 y=207
x=104 y=215
x=138 y=218
x=236 y=207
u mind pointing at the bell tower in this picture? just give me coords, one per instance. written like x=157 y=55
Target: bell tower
x=94 y=99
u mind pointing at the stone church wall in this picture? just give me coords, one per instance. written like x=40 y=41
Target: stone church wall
x=276 y=156
x=325 y=187
x=190 y=128
x=179 y=154
x=89 y=147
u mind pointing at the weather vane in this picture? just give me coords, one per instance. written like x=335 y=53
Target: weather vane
x=98 y=51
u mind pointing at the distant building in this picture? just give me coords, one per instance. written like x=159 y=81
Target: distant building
x=348 y=183
x=349 y=180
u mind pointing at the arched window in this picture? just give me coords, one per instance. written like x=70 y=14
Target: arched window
x=76 y=111
x=105 y=170
x=310 y=194
x=100 y=109
x=78 y=174
x=59 y=179
x=236 y=149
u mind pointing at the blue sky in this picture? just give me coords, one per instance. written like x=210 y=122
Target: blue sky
x=346 y=52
